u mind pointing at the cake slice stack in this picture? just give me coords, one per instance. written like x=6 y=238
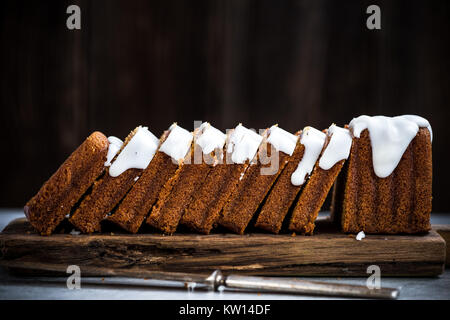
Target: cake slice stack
x=131 y=159
x=272 y=156
x=336 y=150
x=381 y=168
x=203 y=213
x=132 y=211
x=282 y=198
x=176 y=194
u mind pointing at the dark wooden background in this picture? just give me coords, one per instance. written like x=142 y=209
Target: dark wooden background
x=294 y=63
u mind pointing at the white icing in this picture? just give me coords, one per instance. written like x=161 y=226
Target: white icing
x=313 y=141
x=137 y=154
x=282 y=140
x=421 y=122
x=114 y=146
x=361 y=235
x=389 y=137
x=243 y=144
x=337 y=149
x=177 y=143
x=210 y=138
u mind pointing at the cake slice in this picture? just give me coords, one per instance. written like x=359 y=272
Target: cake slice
x=134 y=208
x=178 y=191
x=276 y=207
x=132 y=158
x=257 y=180
x=67 y=185
x=336 y=150
x=203 y=212
x=387 y=184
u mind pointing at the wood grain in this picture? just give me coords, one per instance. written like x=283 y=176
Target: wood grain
x=326 y=253
x=444 y=232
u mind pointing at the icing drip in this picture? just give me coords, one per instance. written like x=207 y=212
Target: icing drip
x=243 y=144
x=337 y=149
x=114 y=146
x=137 y=154
x=389 y=137
x=282 y=140
x=210 y=138
x=421 y=122
x=313 y=140
x=177 y=143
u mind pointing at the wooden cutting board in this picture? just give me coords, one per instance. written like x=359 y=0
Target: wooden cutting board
x=327 y=253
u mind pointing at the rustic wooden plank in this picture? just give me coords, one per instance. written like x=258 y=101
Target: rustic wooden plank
x=326 y=253
x=444 y=232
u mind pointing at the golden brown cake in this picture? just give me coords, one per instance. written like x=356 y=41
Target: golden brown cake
x=204 y=210
x=381 y=168
x=386 y=186
x=335 y=152
x=273 y=154
x=66 y=186
x=135 y=207
x=177 y=193
x=275 y=208
x=140 y=146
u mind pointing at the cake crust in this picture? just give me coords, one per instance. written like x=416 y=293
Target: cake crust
x=106 y=193
x=67 y=185
x=282 y=195
x=204 y=210
x=176 y=195
x=134 y=208
x=326 y=170
x=250 y=193
x=399 y=203
x=312 y=198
